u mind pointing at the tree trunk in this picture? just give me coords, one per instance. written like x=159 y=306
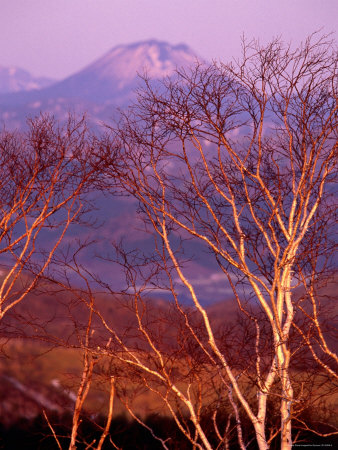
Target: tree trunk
x=286 y=436
x=260 y=435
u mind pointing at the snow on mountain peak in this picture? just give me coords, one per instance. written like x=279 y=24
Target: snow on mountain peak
x=155 y=58
x=111 y=80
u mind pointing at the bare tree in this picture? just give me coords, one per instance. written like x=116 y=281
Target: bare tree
x=44 y=176
x=47 y=177
x=238 y=159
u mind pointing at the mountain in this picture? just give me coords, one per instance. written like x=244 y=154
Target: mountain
x=106 y=83
x=14 y=79
x=113 y=77
x=97 y=90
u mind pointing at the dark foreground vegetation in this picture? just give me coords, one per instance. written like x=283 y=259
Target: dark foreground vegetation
x=128 y=434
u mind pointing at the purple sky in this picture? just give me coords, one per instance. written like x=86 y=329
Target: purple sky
x=58 y=37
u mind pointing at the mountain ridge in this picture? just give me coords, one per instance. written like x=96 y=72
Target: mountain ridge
x=109 y=81
x=15 y=79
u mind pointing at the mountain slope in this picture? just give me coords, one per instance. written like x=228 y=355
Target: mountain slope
x=108 y=82
x=112 y=77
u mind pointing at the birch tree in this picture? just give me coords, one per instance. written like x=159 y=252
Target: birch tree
x=45 y=174
x=238 y=159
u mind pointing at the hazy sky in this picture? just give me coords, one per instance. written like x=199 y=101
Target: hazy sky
x=58 y=37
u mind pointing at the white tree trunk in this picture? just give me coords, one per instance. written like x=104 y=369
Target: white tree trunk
x=283 y=354
x=260 y=435
x=286 y=437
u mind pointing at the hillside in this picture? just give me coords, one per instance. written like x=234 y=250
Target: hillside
x=41 y=340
